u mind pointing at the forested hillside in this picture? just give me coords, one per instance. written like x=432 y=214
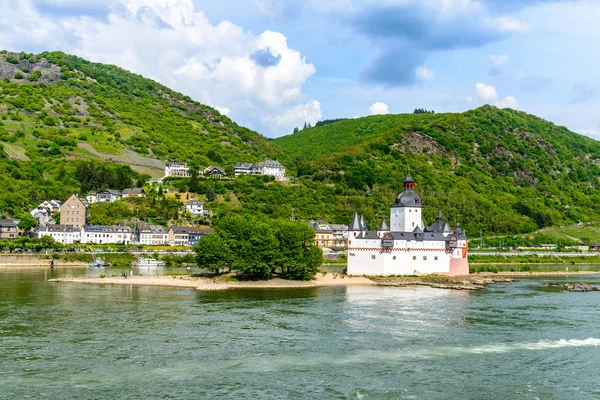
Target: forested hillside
x=57 y=110
x=500 y=171
x=69 y=125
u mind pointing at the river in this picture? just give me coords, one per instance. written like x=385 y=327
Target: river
x=510 y=341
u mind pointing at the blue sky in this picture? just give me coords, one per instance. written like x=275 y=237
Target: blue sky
x=271 y=65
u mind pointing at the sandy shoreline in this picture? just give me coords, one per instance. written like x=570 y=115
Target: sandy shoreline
x=220 y=284
x=467 y=282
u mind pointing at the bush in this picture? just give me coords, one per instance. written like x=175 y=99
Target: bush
x=12 y=59
x=19 y=75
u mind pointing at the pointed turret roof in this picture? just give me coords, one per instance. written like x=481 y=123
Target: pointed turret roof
x=362 y=223
x=447 y=227
x=418 y=230
x=384 y=226
x=355 y=224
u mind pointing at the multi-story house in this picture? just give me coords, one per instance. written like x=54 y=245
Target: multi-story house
x=330 y=236
x=214 y=171
x=41 y=215
x=108 y=196
x=269 y=167
x=73 y=212
x=99 y=234
x=8 y=229
x=187 y=235
x=134 y=192
x=65 y=234
x=175 y=168
x=51 y=205
x=152 y=235
x=194 y=207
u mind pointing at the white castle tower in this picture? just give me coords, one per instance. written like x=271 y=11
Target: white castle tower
x=405 y=213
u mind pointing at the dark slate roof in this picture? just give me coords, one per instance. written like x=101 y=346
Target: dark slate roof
x=148 y=228
x=363 y=226
x=408 y=198
x=383 y=226
x=192 y=229
x=408 y=178
x=105 y=228
x=134 y=191
x=110 y=191
x=58 y=228
x=8 y=223
x=355 y=224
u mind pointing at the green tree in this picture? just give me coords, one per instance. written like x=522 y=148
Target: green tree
x=27 y=222
x=213 y=254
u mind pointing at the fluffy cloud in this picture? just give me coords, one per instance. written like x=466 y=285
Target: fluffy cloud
x=489 y=95
x=253 y=78
x=486 y=93
x=296 y=117
x=379 y=108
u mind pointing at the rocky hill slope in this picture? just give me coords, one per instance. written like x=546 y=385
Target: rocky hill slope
x=500 y=171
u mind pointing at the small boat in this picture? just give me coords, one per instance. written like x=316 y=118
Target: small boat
x=148 y=262
x=98 y=263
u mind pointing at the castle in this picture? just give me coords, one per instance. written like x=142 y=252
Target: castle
x=406 y=246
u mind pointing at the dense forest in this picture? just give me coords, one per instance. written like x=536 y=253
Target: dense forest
x=68 y=125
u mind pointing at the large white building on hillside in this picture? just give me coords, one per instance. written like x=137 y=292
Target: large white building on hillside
x=406 y=246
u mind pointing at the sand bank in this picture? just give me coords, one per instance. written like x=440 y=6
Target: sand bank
x=219 y=284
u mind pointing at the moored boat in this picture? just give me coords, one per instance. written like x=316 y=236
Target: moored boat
x=98 y=263
x=148 y=262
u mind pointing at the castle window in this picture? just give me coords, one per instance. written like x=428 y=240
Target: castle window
x=435 y=258
x=413 y=225
x=414 y=258
x=424 y=258
x=372 y=257
x=394 y=257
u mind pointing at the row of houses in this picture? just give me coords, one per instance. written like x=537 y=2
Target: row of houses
x=182 y=170
x=111 y=195
x=269 y=167
x=144 y=234
x=156 y=235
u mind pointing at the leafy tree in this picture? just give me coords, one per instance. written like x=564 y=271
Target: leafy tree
x=213 y=254
x=27 y=222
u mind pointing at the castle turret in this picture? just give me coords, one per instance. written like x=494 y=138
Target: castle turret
x=355 y=226
x=383 y=228
x=405 y=213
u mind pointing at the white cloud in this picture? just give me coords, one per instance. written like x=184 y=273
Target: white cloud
x=469 y=99
x=223 y=110
x=177 y=45
x=379 y=108
x=425 y=74
x=296 y=117
x=499 y=60
x=488 y=94
x=509 y=102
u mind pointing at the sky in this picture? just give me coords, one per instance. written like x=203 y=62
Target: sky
x=272 y=65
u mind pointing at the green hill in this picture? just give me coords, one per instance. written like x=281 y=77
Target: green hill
x=499 y=171
x=69 y=125
x=57 y=110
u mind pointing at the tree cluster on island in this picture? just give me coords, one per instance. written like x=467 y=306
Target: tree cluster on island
x=259 y=247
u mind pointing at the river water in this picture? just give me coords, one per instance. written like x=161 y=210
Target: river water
x=509 y=341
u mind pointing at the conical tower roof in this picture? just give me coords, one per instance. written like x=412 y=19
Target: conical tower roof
x=355 y=224
x=384 y=226
x=362 y=223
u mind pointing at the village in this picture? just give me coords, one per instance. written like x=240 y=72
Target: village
x=66 y=222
